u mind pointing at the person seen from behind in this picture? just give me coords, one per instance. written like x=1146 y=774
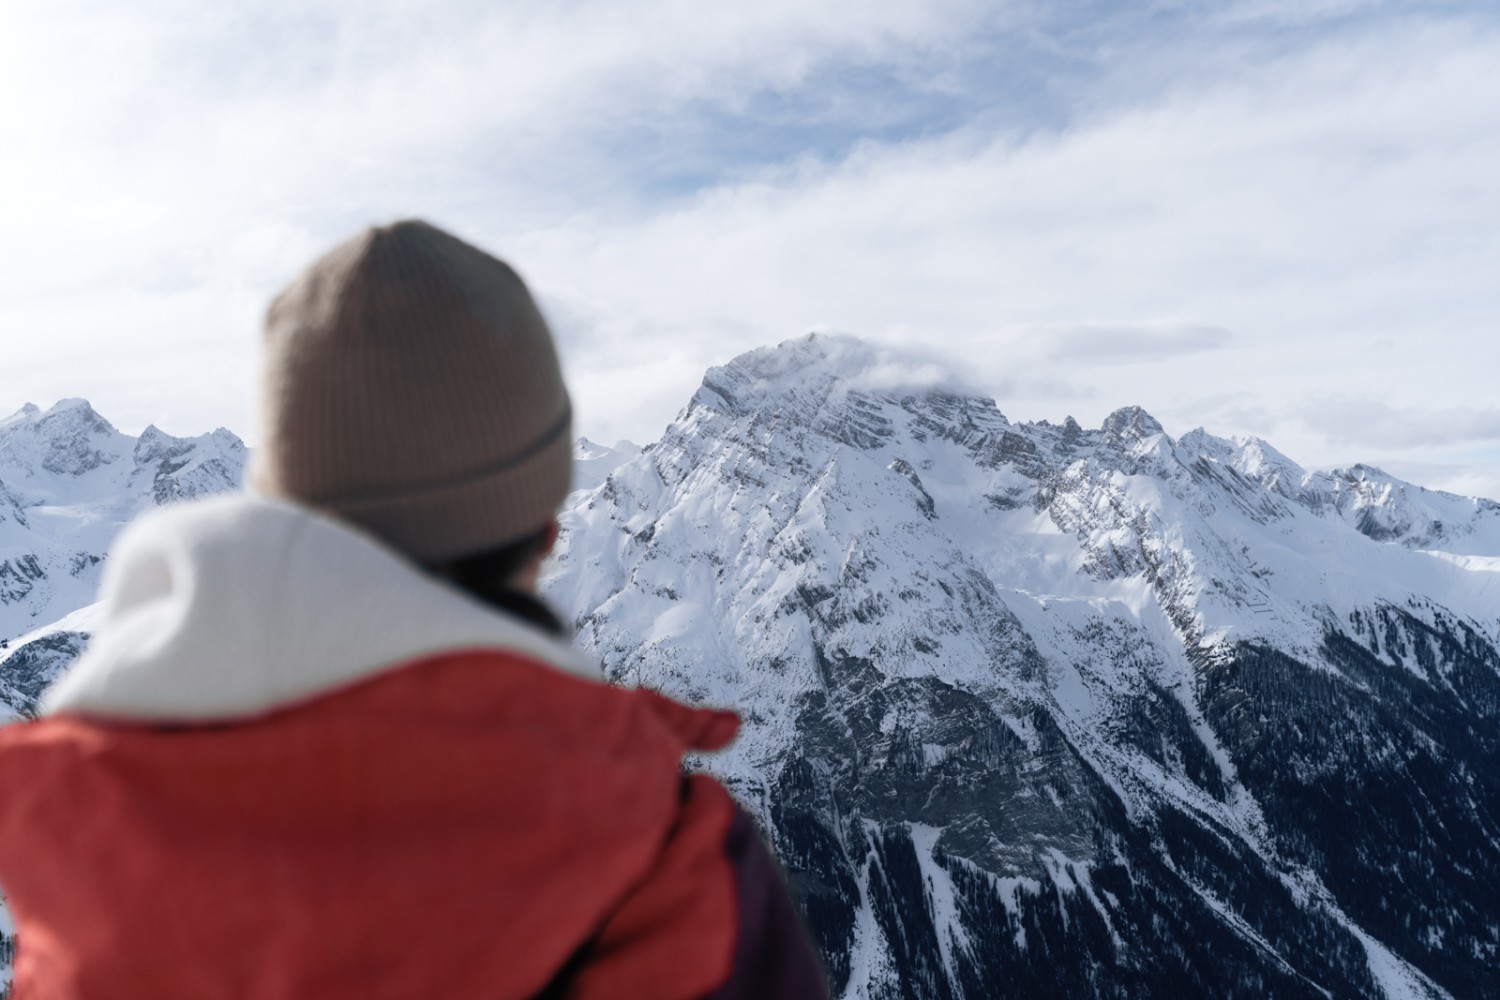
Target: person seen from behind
x=327 y=743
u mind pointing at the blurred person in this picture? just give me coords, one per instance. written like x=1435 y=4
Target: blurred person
x=326 y=742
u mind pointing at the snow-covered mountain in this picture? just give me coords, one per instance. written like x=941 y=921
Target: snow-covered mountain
x=1030 y=710
x=69 y=481
x=1044 y=711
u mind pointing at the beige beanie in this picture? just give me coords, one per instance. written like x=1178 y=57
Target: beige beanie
x=411 y=387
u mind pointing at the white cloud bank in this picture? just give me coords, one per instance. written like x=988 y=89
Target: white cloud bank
x=1263 y=239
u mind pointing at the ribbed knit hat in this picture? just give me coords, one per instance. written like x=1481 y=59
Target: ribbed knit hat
x=411 y=387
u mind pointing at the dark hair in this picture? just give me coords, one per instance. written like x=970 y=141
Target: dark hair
x=487 y=577
x=485 y=574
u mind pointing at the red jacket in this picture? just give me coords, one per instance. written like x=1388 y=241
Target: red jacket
x=478 y=823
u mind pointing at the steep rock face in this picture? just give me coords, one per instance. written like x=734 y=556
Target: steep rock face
x=31 y=664
x=1037 y=710
x=68 y=482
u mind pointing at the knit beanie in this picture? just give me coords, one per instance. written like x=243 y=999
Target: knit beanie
x=411 y=387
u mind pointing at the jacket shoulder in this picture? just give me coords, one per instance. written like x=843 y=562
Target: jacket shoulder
x=482 y=811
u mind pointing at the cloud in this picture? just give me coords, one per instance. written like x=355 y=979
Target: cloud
x=885 y=368
x=1293 y=12
x=1476 y=477
x=1284 y=211
x=1373 y=423
x=1091 y=344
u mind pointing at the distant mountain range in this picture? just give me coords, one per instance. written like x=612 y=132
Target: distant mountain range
x=69 y=481
x=1030 y=709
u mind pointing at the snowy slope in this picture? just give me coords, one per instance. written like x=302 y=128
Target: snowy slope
x=592 y=462
x=1066 y=712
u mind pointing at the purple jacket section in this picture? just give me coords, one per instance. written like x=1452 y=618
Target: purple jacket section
x=774 y=956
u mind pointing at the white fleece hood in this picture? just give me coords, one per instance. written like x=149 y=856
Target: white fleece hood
x=236 y=606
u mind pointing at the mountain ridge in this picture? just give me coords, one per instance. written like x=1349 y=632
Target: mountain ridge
x=1031 y=709
x=858 y=564
x=69 y=481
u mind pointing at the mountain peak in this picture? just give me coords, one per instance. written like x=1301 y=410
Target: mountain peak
x=1130 y=422
x=153 y=444
x=1364 y=471
x=68 y=439
x=72 y=415
x=227 y=438
x=824 y=367
x=25 y=415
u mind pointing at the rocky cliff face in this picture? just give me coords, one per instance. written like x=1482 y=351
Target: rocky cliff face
x=1039 y=710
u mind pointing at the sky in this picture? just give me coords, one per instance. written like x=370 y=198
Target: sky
x=1262 y=217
